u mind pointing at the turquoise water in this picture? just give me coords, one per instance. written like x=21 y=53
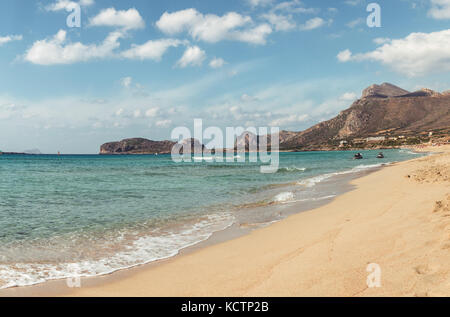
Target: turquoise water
x=68 y=215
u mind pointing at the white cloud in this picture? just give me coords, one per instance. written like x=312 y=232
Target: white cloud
x=9 y=110
x=312 y=24
x=126 y=82
x=179 y=21
x=153 y=49
x=193 y=56
x=281 y=16
x=216 y=63
x=119 y=112
x=348 y=96
x=257 y=3
x=344 y=56
x=9 y=38
x=248 y=98
x=262 y=105
x=289 y=119
x=293 y=6
x=56 y=50
x=381 y=40
x=137 y=113
x=353 y=2
x=152 y=112
x=280 y=22
x=440 y=9
x=415 y=55
x=67 y=5
x=257 y=35
x=163 y=123
x=87 y=2
x=212 y=28
x=127 y=19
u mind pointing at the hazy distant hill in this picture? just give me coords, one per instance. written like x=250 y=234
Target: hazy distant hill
x=33 y=152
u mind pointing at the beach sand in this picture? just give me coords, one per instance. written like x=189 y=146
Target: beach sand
x=397 y=218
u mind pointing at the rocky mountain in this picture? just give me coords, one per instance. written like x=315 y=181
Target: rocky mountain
x=145 y=146
x=137 y=146
x=384 y=90
x=382 y=111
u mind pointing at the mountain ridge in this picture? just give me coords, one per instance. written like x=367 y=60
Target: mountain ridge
x=383 y=111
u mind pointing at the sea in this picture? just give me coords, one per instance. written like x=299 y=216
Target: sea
x=87 y=215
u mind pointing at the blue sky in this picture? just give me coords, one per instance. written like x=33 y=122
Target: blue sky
x=140 y=68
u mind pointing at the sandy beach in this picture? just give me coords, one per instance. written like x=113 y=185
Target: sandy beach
x=397 y=218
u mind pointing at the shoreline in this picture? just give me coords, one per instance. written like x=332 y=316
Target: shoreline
x=56 y=287
x=102 y=285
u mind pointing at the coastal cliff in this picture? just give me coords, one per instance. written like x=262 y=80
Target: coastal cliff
x=137 y=146
x=385 y=116
x=145 y=146
x=386 y=112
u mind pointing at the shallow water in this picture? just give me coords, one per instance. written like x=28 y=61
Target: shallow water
x=87 y=215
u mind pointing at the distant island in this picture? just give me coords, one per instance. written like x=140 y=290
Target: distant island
x=27 y=152
x=144 y=146
x=386 y=116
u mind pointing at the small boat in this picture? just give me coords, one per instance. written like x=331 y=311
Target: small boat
x=358 y=156
x=380 y=155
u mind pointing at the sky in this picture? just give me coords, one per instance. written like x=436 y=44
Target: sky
x=140 y=68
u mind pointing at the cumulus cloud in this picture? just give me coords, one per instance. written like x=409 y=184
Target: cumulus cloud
x=152 y=112
x=344 y=56
x=417 y=54
x=153 y=49
x=163 y=123
x=193 y=56
x=280 y=22
x=348 y=96
x=216 y=63
x=256 y=35
x=57 y=50
x=212 y=28
x=68 y=5
x=293 y=6
x=127 y=19
x=440 y=9
x=257 y=3
x=289 y=119
x=281 y=16
x=9 y=38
